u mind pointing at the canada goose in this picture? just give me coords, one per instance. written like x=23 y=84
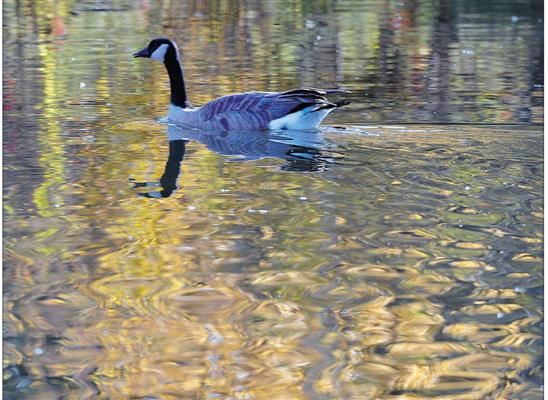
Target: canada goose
x=295 y=109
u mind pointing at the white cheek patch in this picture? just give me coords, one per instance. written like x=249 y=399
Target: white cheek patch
x=159 y=53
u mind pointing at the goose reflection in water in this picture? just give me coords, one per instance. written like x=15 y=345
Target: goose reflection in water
x=305 y=151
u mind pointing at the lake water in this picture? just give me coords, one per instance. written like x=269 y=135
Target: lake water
x=396 y=253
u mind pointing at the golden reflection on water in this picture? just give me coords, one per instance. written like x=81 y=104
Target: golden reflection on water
x=302 y=301
x=393 y=262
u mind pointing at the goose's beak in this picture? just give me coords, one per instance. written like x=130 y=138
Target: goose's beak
x=142 y=53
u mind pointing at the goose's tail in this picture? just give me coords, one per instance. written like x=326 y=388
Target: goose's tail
x=332 y=106
x=307 y=116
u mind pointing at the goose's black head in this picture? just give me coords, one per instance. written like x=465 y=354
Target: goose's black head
x=160 y=49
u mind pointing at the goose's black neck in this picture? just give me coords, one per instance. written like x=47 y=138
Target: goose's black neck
x=177 y=82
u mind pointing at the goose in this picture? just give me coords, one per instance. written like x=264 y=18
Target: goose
x=298 y=109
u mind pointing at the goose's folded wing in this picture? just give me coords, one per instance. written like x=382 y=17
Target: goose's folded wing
x=262 y=107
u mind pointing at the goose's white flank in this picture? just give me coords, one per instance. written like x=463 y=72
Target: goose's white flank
x=295 y=109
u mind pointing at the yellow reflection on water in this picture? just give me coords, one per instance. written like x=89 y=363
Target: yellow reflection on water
x=46 y=196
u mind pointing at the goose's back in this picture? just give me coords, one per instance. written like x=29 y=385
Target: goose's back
x=250 y=111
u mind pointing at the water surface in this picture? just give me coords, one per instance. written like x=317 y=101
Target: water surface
x=395 y=253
